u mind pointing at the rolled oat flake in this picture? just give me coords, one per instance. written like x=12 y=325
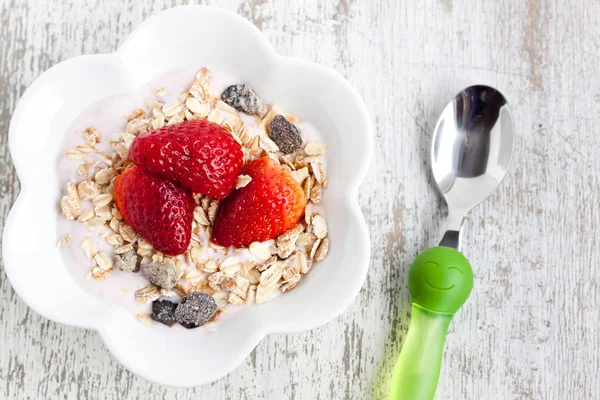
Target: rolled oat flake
x=195 y=309
x=243 y=98
x=285 y=134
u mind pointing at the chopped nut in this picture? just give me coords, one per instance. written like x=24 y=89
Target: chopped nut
x=162 y=274
x=242 y=181
x=129 y=261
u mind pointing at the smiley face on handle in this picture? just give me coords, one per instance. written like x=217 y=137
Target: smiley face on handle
x=440 y=280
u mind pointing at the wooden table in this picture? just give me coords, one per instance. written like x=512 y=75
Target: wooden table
x=531 y=327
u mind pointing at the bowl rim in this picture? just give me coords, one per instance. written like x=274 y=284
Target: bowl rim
x=350 y=197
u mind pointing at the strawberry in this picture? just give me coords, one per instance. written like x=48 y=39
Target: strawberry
x=200 y=154
x=159 y=210
x=268 y=206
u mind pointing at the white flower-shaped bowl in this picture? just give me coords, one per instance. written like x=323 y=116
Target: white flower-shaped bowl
x=185 y=36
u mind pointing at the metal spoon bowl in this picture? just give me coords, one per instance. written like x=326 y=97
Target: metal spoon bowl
x=471 y=152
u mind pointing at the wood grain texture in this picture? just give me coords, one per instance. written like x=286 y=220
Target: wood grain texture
x=531 y=327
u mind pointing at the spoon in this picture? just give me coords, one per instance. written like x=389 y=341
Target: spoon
x=470 y=154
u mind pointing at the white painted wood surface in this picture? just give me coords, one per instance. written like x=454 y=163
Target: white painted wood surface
x=531 y=327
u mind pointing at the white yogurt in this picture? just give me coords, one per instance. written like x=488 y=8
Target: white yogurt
x=109 y=116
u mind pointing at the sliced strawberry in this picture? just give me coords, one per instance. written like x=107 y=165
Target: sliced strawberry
x=201 y=155
x=159 y=210
x=269 y=205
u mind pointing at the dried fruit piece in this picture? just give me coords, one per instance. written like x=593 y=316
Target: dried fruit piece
x=159 y=210
x=129 y=261
x=163 y=275
x=199 y=154
x=243 y=98
x=163 y=311
x=195 y=309
x=285 y=134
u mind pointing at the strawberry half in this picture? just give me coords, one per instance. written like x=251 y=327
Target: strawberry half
x=201 y=155
x=159 y=210
x=268 y=206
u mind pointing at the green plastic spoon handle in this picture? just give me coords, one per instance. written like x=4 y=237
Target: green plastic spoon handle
x=440 y=281
x=418 y=367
